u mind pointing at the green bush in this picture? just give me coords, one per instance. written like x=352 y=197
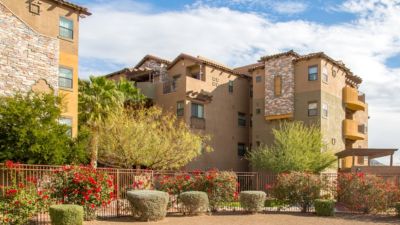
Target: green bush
x=220 y=186
x=397 y=206
x=194 y=202
x=148 y=205
x=252 y=201
x=324 y=207
x=298 y=189
x=66 y=214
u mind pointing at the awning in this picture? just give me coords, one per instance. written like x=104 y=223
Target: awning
x=370 y=152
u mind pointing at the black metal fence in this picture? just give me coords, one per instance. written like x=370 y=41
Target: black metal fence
x=123 y=178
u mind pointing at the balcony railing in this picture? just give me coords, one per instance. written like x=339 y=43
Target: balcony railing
x=197 y=123
x=147 y=88
x=353 y=99
x=351 y=130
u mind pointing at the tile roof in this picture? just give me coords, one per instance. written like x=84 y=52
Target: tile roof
x=155 y=58
x=202 y=60
x=78 y=8
x=291 y=52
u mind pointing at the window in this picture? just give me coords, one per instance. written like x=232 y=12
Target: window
x=230 y=86
x=313 y=73
x=65 y=77
x=241 y=119
x=258 y=79
x=258 y=143
x=180 y=108
x=241 y=149
x=312 y=109
x=34 y=8
x=174 y=82
x=325 y=110
x=68 y=122
x=66 y=28
x=258 y=111
x=325 y=75
x=333 y=72
x=278 y=86
x=197 y=110
x=251 y=91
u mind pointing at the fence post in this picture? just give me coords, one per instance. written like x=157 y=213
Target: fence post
x=118 y=192
x=257 y=181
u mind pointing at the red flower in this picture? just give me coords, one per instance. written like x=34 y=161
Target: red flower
x=9 y=164
x=11 y=192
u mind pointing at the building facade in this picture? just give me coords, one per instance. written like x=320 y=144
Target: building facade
x=39 y=42
x=240 y=107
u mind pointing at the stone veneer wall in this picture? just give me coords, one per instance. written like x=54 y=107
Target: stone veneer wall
x=25 y=56
x=284 y=104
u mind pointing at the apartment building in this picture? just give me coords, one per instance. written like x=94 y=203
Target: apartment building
x=240 y=107
x=312 y=88
x=210 y=97
x=39 y=42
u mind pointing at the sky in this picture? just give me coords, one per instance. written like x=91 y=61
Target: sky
x=364 y=34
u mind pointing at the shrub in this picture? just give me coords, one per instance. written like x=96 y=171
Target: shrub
x=366 y=193
x=299 y=189
x=252 y=201
x=397 y=207
x=220 y=186
x=66 y=214
x=83 y=186
x=324 y=207
x=194 y=202
x=22 y=199
x=148 y=205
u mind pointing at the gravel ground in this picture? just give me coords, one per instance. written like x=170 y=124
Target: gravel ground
x=260 y=219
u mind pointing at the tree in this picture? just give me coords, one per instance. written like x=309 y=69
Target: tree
x=30 y=131
x=97 y=99
x=148 y=137
x=297 y=147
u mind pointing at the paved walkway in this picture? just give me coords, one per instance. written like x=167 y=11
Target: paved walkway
x=261 y=219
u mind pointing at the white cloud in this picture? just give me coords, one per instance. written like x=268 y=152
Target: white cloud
x=124 y=34
x=289 y=7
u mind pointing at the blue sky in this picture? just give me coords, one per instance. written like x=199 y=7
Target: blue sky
x=364 y=34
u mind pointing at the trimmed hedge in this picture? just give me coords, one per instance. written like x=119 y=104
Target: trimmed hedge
x=66 y=214
x=194 y=202
x=252 y=201
x=397 y=207
x=148 y=205
x=324 y=207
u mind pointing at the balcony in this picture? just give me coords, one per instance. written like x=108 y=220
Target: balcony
x=147 y=88
x=197 y=123
x=353 y=99
x=353 y=131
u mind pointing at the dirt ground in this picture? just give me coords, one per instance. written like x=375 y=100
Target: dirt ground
x=260 y=219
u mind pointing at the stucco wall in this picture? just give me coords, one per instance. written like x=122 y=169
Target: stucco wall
x=25 y=56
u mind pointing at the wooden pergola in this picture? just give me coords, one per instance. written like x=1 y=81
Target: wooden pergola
x=371 y=153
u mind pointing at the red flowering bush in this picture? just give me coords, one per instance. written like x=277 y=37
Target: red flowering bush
x=219 y=186
x=366 y=193
x=298 y=189
x=83 y=186
x=22 y=199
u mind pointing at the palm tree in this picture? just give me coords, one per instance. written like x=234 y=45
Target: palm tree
x=98 y=98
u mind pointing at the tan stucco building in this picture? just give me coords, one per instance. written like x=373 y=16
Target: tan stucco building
x=39 y=42
x=239 y=107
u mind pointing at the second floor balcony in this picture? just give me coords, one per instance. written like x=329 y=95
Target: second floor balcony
x=353 y=99
x=147 y=88
x=352 y=130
